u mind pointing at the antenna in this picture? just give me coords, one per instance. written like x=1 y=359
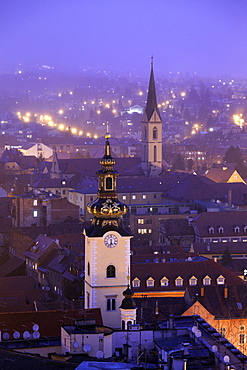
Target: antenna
x=6 y=336
x=26 y=334
x=87 y=347
x=36 y=334
x=35 y=327
x=16 y=334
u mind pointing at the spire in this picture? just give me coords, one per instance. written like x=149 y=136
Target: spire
x=151 y=105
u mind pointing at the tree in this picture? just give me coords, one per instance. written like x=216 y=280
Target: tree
x=233 y=155
x=226 y=257
x=179 y=163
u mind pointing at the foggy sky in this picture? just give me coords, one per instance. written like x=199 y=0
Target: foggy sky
x=204 y=36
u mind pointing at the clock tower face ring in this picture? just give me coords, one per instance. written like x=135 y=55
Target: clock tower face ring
x=111 y=241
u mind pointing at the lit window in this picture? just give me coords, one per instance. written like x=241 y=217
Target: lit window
x=136 y=283
x=144 y=196
x=164 y=281
x=35 y=213
x=223 y=331
x=133 y=196
x=142 y=231
x=124 y=197
x=150 y=282
x=179 y=281
x=150 y=231
x=207 y=280
x=193 y=280
x=140 y=221
x=35 y=202
x=221 y=280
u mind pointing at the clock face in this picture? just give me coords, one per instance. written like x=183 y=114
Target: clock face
x=110 y=241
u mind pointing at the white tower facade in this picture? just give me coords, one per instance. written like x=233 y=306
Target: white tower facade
x=107 y=247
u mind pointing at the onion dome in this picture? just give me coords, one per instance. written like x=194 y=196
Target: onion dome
x=128 y=302
x=107 y=205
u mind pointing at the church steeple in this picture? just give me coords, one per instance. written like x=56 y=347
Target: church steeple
x=151 y=133
x=106 y=208
x=151 y=105
x=55 y=169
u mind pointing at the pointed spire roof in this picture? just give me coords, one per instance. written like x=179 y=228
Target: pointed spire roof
x=151 y=105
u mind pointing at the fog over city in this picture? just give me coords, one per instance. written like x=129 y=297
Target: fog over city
x=206 y=37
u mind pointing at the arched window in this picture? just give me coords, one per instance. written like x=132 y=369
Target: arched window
x=111 y=271
x=221 y=230
x=237 y=229
x=108 y=183
x=211 y=230
x=155 y=153
x=88 y=269
x=145 y=133
x=145 y=153
x=155 y=133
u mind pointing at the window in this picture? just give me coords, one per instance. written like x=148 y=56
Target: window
x=140 y=221
x=237 y=229
x=108 y=183
x=155 y=133
x=245 y=229
x=155 y=153
x=223 y=331
x=144 y=196
x=35 y=213
x=35 y=202
x=133 y=196
x=164 y=281
x=211 y=230
x=155 y=196
x=221 y=230
x=193 y=280
x=124 y=197
x=142 y=231
x=88 y=269
x=179 y=281
x=111 y=271
x=91 y=199
x=221 y=280
x=150 y=282
x=145 y=133
x=242 y=328
x=136 y=283
x=207 y=280
x=242 y=338
x=110 y=304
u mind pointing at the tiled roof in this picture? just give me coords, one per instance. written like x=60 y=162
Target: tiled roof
x=227 y=220
x=172 y=270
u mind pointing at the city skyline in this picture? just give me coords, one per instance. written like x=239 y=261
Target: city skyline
x=207 y=38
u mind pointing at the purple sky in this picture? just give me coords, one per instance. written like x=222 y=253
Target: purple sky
x=204 y=36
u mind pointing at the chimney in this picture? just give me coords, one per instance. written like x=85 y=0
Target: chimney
x=229 y=197
x=225 y=292
x=202 y=291
x=156 y=309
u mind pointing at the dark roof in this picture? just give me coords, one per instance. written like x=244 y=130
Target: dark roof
x=171 y=270
x=151 y=105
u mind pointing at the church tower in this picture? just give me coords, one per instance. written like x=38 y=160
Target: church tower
x=151 y=133
x=107 y=246
x=55 y=172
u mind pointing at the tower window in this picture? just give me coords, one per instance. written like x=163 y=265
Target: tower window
x=108 y=183
x=88 y=269
x=145 y=133
x=155 y=133
x=155 y=153
x=111 y=271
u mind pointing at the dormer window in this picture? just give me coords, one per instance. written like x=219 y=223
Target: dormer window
x=220 y=280
x=207 y=280
x=150 y=282
x=193 y=280
x=136 y=282
x=211 y=230
x=164 y=281
x=179 y=281
x=237 y=229
x=221 y=230
x=245 y=229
